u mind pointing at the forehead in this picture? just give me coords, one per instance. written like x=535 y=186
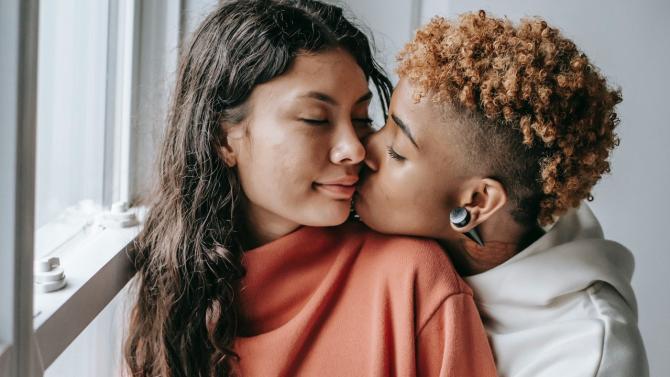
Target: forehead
x=333 y=73
x=333 y=70
x=426 y=119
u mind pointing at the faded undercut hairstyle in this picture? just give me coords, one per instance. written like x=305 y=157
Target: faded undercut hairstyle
x=542 y=116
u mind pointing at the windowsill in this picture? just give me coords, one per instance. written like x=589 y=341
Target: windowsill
x=70 y=226
x=96 y=269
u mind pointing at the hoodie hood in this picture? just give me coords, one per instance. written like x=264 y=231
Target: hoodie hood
x=570 y=257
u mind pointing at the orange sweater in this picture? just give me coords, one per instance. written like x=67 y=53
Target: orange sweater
x=346 y=301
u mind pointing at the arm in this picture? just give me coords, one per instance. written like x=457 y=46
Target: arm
x=453 y=342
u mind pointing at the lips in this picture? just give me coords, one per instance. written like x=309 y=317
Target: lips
x=340 y=188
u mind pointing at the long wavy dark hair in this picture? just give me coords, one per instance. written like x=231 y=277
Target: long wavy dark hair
x=188 y=255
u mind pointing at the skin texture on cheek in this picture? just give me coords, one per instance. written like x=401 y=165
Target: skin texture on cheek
x=397 y=200
x=275 y=172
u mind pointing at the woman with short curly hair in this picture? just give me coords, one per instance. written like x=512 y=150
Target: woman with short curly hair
x=497 y=133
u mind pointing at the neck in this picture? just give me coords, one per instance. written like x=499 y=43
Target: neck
x=262 y=226
x=502 y=240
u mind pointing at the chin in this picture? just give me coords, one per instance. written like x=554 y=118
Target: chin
x=366 y=217
x=381 y=223
x=332 y=214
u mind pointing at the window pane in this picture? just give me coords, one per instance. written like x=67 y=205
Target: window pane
x=72 y=70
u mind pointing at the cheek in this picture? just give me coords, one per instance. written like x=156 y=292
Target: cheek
x=403 y=200
x=277 y=175
x=275 y=163
x=416 y=196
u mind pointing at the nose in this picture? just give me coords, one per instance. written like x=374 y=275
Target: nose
x=372 y=151
x=348 y=149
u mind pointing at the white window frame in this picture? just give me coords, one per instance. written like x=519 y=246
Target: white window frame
x=18 y=93
x=97 y=267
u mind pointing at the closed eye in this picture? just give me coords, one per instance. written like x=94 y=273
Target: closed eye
x=365 y=122
x=393 y=154
x=315 y=122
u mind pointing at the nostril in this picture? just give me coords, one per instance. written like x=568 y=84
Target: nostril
x=349 y=148
x=355 y=151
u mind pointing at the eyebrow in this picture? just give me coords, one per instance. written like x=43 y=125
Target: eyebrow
x=330 y=100
x=405 y=129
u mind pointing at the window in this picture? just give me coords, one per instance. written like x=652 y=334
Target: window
x=78 y=54
x=72 y=71
x=84 y=89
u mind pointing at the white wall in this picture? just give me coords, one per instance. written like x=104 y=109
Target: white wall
x=389 y=24
x=629 y=42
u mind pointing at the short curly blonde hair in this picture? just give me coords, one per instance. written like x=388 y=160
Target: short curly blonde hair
x=538 y=97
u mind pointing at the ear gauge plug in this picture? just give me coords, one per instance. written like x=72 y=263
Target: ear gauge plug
x=460 y=217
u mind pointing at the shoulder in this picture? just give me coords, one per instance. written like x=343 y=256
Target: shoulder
x=592 y=329
x=623 y=350
x=403 y=259
x=410 y=275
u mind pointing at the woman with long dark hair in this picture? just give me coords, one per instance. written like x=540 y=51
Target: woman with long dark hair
x=244 y=266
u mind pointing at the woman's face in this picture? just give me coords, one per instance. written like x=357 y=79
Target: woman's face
x=412 y=177
x=298 y=152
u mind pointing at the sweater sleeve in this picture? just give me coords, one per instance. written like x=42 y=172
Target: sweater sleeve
x=452 y=342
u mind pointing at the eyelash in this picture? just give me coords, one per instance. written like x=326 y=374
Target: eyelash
x=315 y=122
x=366 y=122
x=394 y=155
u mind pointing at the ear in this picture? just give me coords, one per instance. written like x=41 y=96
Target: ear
x=227 y=154
x=228 y=147
x=482 y=198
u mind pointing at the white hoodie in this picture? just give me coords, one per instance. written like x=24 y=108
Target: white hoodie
x=564 y=306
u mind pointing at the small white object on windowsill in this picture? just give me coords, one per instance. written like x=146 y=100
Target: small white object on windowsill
x=49 y=275
x=119 y=216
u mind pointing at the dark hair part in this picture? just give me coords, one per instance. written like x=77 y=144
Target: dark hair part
x=544 y=116
x=188 y=255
